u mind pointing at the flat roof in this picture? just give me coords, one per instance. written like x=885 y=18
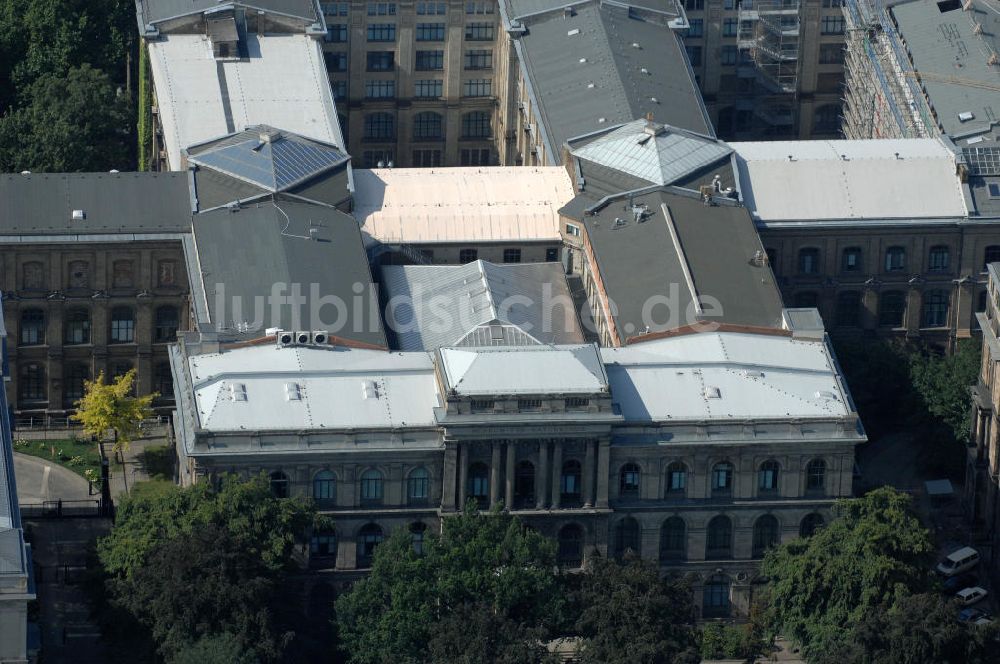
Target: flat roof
x=469 y=204
x=726 y=376
x=602 y=66
x=245 y=255
x=112 y=203
x=478 y=304
x=655 y=265
x=283 y=83
x=525 y=370
x=952 y=60
x=337 y=388
x=850 y=180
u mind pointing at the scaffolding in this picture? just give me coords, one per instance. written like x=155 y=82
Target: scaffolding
x=768 y=40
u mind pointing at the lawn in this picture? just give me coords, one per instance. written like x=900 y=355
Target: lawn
x=78 y=455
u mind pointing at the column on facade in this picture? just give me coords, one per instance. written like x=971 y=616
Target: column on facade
x=869 y=307
x=495 y=474
x=603 y=471
x=588 y=473
x=914 y=305
x=448 y=476
x=557 y=450
x=509 y=475
x=543 y=475
x=463 y=474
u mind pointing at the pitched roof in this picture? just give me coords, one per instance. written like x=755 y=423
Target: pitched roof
x=478 y=304
x=523 y=370
x=158 y=11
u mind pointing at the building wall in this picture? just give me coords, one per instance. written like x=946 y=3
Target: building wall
x=53 y=281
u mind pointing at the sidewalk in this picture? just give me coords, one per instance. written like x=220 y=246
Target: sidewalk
x=134 y=469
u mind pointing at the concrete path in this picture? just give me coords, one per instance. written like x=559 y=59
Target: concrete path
x=39 y=480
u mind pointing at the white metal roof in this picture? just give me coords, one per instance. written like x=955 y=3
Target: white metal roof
x=479 y=304
x=524 y=370
x=337 y=388
x=283 y=83
x=472 y=204
x=755 y=376
x=849 y=180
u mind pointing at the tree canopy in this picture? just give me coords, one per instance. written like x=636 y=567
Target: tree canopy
x=943 y=382
x=112 y=407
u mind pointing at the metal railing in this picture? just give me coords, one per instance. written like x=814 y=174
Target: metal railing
x=62 y=509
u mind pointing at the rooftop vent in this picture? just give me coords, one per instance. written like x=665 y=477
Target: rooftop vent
x=636 y=45
x=965 y=116
x=826 y=394
x=369 y=390
x=293 y=392
x=25 y=172
x=573 y=32
x=568 y=12
x=78 y=215
x=712 y=393
x=237 y=392
x=619 y=222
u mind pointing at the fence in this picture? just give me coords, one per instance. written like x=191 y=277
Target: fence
x=63 y=509
x=61 y=428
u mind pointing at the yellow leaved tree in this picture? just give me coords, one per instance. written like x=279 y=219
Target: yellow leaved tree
x=112 y=406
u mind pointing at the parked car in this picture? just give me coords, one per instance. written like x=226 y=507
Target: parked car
x=968 y=596
x=959 y=561
x=973 y=615
x=953 y=584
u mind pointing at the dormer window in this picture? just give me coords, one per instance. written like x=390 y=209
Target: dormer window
x=529 y=404
x=577 y=403
x=482 y=405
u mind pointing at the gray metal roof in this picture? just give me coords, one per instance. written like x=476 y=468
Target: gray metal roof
x=156 y=11
x=653 y=152
x=243 y=254
x=268 y=158
x=645 y=265
x=600 y=67
x=952 y=60
x=43 y=203
x=478 y=304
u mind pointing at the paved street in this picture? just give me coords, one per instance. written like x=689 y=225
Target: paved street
x=39 y=481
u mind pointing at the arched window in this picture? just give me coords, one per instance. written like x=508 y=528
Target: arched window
x=371 y=487
x=369 y=537
x=380 y=127
x=816 y=476
x=848 y=308
x=767 y=477
x=628 y=481
x=991 y=255
x=524 y=485
x=570 y=489
x=75 y=377
x=810 y=524
x=722 y=479
x=418 y=531
x=936 y=308
x=806 y=299
x=809 y=260
x=626 y=537
x=719 y=540
x=895 y=259
x=715 y=597
x=279 y=484
x=428 y=126
x=766 y=533
x=673 y=539
x=77 y=326
x=477 y=124
x=32 y=327
x=31 y=383
x=122 y=325
x=938 y=258
x=418 y=486
x=892 y=308
x=479 y=484
x=323 y=544
x=167 y=321
x=676 y=479
x=33 y=275
x=164 y=381
x=570 y=552
x=851 y=259
x=325 y=486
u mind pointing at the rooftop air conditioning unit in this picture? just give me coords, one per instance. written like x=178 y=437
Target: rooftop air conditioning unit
x=320 y=337
x=284 y=338
x=79 y=215
x=302 y=337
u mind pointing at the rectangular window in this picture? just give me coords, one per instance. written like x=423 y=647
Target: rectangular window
x=832 y=4
x=694 y=55
x=479 y=32
x=477 y=87
x=377 y=158
x=382 y=32
x=430 y=32
x=467 y=255
x=479 y=7
x=482 y=405
x=729 y=4
x=428 y=88
x=529 y=404
x=831 y=54
x=475 y=157
x=511 y=255
x=431 y=8
x=381 y=60
x=380 y=89
x=573 y=403
x=335 y=61
x=426 y=158
x=381 y=8
x=336 y=33
x=697 y=27
x=831 y=25
x=694 y=4
x=729 y=54
x=573 y=229
x=730 y=27
x=429 y=61
x=336 y=8
x=479 y=59
x=339 y=90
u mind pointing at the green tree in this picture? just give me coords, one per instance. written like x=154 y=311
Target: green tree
x=631 y=615
x=480 y=560
x=112 y=407
x=480 y=635
x=943 y=383
x=221 y=648
x=872 y=555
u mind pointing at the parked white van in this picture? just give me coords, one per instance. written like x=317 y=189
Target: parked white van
x=959 y=561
